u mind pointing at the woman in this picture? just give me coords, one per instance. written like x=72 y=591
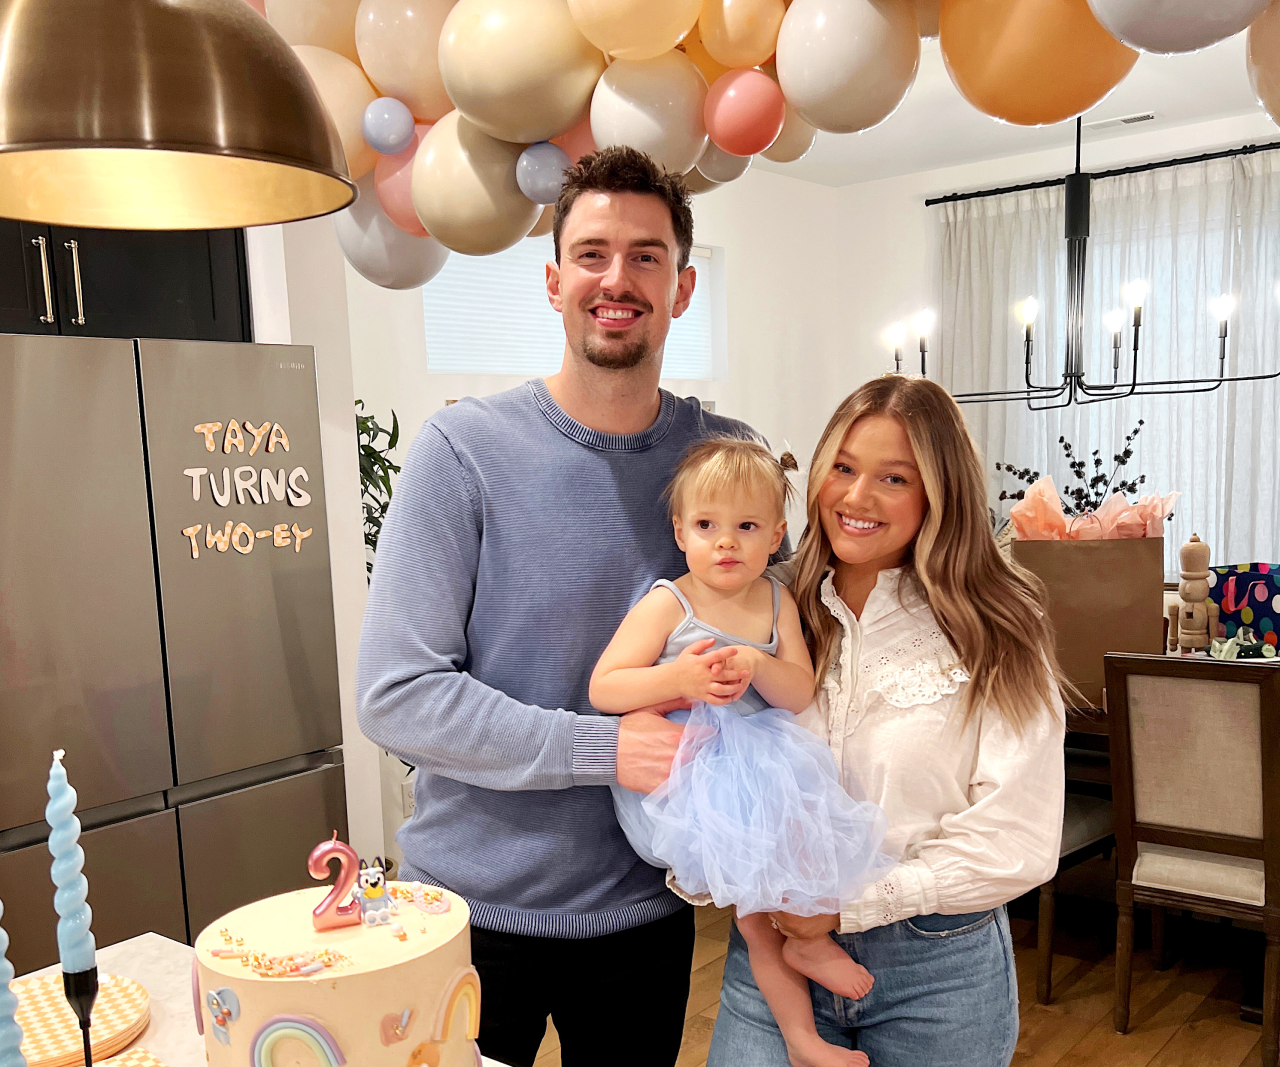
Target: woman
x=939 y=694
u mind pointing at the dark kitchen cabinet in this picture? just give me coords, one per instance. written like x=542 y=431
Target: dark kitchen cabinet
x=180 y=284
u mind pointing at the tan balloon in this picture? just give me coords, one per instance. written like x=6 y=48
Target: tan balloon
x=693 y=47
x=346 y=92
x=546 y=222
x=1030 y=62
x=697 y=182
x=927 y=16
x=635 y=29
x=794 y=141
x=465 y=191
x=327 y=24
x=398 y=42
x=519 y=69
x=741 y=33
x=1262 y=58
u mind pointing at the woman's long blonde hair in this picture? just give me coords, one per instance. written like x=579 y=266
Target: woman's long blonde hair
x=991 y=610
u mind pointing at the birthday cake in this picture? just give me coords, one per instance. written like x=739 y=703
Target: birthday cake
x=309 y=979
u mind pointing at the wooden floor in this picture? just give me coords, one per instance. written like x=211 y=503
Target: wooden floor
x=1186 y=1016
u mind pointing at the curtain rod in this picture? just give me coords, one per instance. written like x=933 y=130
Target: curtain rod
x=1243 y=150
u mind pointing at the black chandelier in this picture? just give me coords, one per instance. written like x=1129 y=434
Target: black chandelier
x=1074 y=387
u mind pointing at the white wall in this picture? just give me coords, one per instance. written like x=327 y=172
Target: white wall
x=813 y=275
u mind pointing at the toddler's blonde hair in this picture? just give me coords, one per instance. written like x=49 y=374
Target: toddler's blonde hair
x=731 y=466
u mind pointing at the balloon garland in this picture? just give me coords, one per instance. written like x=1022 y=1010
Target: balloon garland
x=459 y=117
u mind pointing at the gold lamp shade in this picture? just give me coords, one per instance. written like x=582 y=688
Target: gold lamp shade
x=159 y=115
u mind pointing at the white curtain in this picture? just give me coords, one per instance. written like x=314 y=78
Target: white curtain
x=1192 y=232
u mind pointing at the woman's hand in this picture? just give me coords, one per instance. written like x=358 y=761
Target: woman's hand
x=805 y=927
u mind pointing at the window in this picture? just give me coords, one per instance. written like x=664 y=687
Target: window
x=489 y=315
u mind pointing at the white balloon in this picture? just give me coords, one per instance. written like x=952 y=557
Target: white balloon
x=718 y=166
x=654 y=105
x=846 y=65
x=1168 y=26
x=795 y=140
x=379 y=250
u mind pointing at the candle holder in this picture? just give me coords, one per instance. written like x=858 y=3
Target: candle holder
x=76 y=948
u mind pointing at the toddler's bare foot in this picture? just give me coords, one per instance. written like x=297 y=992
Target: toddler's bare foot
x=809 y=1050
x=825 y=962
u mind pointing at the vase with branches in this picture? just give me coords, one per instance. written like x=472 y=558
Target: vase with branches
x=1088 y=484
x=376 y=469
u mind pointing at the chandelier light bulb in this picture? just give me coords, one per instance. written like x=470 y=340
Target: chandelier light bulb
x=896 y=335
x=1222 y=306
x=1135 y=293
x=923 y=321
x=1029 y=310
x=1114 y=320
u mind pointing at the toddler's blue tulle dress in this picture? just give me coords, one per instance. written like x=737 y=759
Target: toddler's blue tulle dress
x=753 y=813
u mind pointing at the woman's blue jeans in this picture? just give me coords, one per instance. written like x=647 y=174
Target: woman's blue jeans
x=945 y=993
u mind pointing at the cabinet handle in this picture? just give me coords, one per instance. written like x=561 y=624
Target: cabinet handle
x=75 y=265
x=39 y=242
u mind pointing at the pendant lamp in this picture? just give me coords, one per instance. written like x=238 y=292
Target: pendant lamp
x=159 y=115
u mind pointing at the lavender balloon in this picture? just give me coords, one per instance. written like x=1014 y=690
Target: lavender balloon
x=10 y=1032
x=540 y=171
x=75 y=942
x=387 y=126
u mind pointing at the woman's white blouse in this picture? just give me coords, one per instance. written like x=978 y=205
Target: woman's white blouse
x=975 y=811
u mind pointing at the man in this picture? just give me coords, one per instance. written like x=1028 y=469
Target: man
x=522 y=529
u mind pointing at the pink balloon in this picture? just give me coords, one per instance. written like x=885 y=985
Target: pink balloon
x=578 y=141
x=393 y=184
x=744 y=112
x=260 y=6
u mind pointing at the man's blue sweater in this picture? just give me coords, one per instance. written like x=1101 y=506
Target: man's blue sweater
x=516 y=541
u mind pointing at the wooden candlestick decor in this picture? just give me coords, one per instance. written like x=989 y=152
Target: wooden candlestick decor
x=1195 y=628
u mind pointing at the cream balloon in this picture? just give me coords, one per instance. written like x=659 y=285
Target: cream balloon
x=398 y=42
x=518 y=69
x=465 y=191
x=927 y=16
x=1169 y=26
x=740 y=33
x=546 y=222
x=795 y=140
x=346 y=92
x=719 y=166
x=1262 y=58
x=654 y=105
x=635 y=29
x=846 y=65
x=327 y=24
x=697 y=182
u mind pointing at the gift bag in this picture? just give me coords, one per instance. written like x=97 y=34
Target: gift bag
x=1104 y=596
x=1247 y=595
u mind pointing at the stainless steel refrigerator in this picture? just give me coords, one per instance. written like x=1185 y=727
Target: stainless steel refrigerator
x=166 y=617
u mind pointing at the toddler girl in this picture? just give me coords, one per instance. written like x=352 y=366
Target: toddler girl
x=753 y=813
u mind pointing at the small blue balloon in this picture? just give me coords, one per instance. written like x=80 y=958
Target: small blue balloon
x=387 y=126
x=540 y=171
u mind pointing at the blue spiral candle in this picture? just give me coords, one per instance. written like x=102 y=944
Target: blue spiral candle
x=10 y=1032
x=70 y=901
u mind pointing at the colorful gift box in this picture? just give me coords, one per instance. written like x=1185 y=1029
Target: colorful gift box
x=1247 y=595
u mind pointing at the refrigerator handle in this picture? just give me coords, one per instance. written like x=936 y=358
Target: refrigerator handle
x=74 y=246
x=40 y=243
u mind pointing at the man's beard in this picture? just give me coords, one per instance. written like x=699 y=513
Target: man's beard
x=611 y=357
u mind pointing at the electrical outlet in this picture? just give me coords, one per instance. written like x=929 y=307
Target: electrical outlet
x=406 y=797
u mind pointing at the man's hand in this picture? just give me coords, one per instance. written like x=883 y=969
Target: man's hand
x=647 y=746
x=706 y=675
x=807 y=927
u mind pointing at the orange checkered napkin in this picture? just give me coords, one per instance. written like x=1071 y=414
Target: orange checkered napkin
x=51 y=1033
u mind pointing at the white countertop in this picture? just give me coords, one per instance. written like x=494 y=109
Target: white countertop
x=163 y=968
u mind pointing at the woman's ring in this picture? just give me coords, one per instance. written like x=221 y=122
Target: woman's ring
x=773 y=922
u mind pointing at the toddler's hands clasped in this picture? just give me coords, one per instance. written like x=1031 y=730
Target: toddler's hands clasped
x=714 y=677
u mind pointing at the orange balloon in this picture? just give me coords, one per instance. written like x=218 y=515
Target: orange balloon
x=1030 y=62
x=740 y=33
x=693 y=47
x=1262 y=58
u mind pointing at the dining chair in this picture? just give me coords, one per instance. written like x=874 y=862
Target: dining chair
x=1195 y=763
x=1086 y=832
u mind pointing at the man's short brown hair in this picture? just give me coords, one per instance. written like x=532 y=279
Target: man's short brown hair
x=619 y=169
